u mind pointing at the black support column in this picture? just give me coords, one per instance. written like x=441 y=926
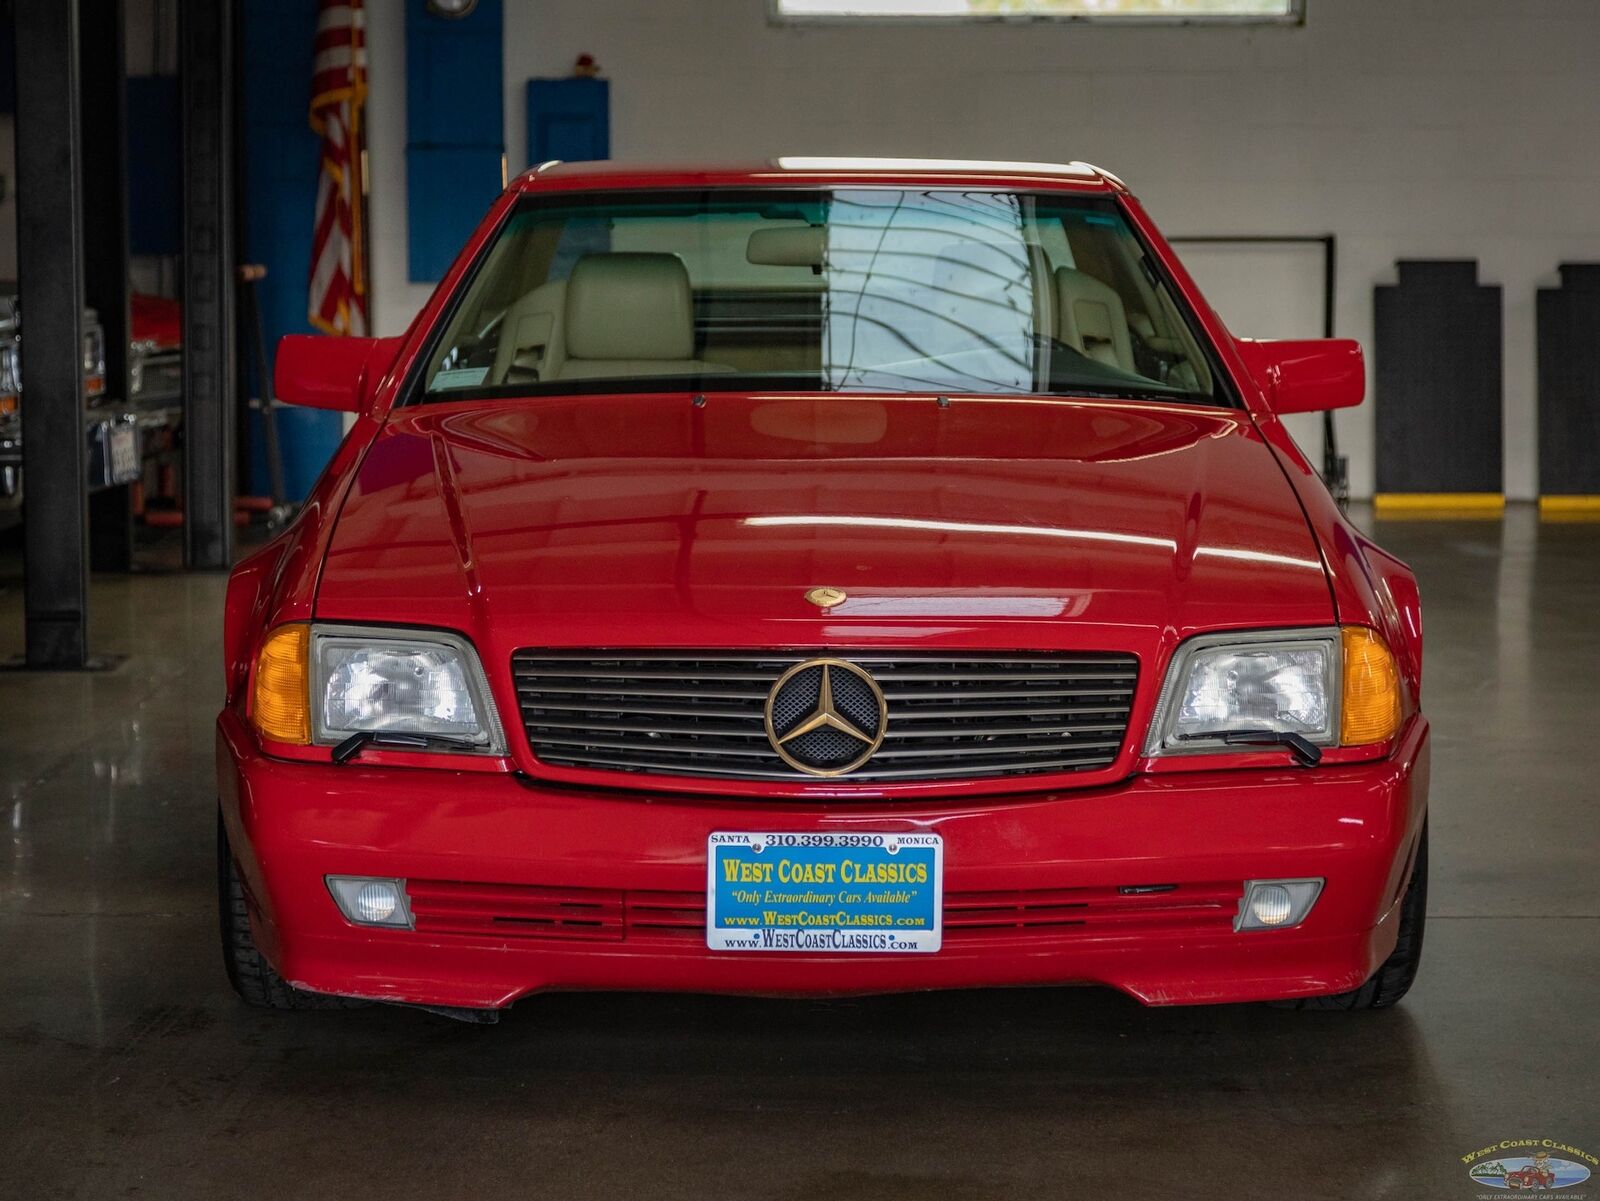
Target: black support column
x=205 y=62
x=105 y=234
x=50 y=267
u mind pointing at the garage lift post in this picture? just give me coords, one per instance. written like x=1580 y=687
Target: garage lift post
x=51 y=293
x=206 y=65
x=105 y=232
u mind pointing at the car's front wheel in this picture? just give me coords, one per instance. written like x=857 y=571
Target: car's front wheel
x=252 y=977
x=1393 y=979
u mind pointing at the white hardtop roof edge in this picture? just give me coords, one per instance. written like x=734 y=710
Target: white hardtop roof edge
x=797 y=162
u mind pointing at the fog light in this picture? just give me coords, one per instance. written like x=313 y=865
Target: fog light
x=371 y=902
x=1275 y=904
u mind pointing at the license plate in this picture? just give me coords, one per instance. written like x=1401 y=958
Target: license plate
x=124 y=454
x=827 y=893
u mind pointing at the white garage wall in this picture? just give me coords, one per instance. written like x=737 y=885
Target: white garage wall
x=1422 y=128
x=1273 y=291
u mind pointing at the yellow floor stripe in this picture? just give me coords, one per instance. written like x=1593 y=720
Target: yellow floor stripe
x=1569 y=508
x=1447 y=505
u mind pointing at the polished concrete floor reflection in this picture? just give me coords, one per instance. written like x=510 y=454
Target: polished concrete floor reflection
x=127 y=1068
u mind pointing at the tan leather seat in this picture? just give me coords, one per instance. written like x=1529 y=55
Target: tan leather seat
x=630 y=314
x=1091 y=319
x=531 y=346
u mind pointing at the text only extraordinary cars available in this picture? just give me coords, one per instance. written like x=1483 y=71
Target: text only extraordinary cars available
x=827 y=576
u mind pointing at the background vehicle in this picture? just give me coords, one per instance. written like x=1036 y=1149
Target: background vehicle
x=118 y=428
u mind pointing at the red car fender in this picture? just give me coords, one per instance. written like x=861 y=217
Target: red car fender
x=1370 y=586
x=278 y=582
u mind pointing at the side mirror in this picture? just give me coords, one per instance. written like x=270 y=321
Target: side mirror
x=331 y=373
x=1307 y=375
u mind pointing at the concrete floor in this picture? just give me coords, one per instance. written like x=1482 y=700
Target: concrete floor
x=127 y=1068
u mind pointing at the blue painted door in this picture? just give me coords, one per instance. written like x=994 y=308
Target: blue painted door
x=282 y=159
x=569 y=119
x=455 y=130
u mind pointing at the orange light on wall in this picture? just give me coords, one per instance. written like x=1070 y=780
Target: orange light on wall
x=1371 y=702
x=280 y=704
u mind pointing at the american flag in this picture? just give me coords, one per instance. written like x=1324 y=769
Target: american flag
x=338 y=296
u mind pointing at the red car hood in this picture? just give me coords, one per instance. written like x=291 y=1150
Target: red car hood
x=644 y=520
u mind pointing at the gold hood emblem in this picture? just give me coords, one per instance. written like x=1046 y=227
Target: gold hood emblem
x=826 y=598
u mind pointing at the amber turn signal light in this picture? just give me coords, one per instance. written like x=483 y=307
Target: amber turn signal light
x=281 y=701
x=1371 y=701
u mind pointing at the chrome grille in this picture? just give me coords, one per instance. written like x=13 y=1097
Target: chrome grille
x=701 y=713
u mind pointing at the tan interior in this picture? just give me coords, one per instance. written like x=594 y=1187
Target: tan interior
x=1090 y=318
x=619 y=314
x=632 y=314
x=532 y=346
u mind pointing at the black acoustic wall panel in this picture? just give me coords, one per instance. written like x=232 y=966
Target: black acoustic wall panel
x=1569 y=383
x=1438 y=392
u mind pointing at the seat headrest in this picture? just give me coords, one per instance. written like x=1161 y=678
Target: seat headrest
x=629 y=305
x=1090 y=317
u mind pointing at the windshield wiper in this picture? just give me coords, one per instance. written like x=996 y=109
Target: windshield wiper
x=352 y=746
x=1305 y=752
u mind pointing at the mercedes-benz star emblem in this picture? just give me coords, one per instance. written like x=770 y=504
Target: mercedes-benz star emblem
x=826 y=598
x=826 y=717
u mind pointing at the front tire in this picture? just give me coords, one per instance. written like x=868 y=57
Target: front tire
x=1394 y=978
x=252 y=977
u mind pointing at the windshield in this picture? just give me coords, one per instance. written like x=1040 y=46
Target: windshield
x=869 y=289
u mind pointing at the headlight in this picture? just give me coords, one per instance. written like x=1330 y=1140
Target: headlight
x=349 y=681
x=1231 y=683
x=1317 y=684
x=400 y=683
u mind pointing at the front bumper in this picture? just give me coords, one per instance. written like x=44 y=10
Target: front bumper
x=601 y=890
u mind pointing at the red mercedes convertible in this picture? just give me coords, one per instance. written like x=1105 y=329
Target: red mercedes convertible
x=819 y=577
